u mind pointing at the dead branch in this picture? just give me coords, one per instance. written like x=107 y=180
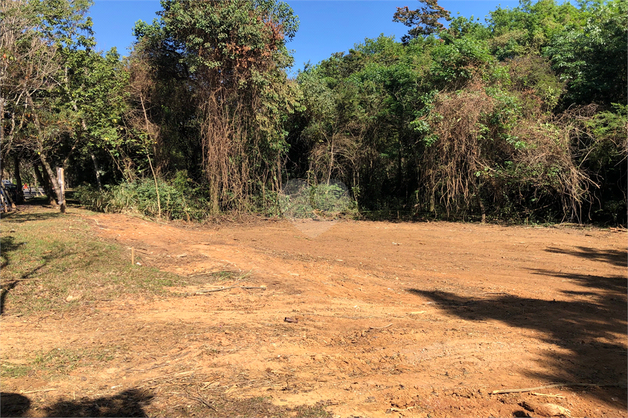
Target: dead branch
x=200 y=399
x=385 y=326
x=549 y=395
x=393 y=409
x=220 y=289
x=556 y=385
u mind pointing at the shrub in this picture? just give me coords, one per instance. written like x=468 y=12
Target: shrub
x=179 y=199
x=327 y=200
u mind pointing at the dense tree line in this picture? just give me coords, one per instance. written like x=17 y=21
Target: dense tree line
x=520 y=118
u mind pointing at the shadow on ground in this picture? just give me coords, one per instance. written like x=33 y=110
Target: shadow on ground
x=8 y=245
x=130 y=403
x=592 y=329
x=13 y=405
x=21 y=216
x=614 y=257
x=134 y=402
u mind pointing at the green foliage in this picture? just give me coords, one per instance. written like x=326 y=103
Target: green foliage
x=231 y=55
x=300 y=200
x=602 y=150
x=468 y=123
x=593 y=59
x=180 y=198
x=521 y=117
x=533 y=74
x=331 y=199
x=609 y=130
x=71 y=101
x=458 y=61
x=528 y=28
x=64 y=22
x=423 y=21
x=460 y=27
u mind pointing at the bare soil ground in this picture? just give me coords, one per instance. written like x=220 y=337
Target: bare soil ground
x=386 y=319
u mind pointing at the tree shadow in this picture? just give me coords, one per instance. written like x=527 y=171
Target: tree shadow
x=13 y=404
x=21 y=217
x=9 y=245
x=616 y=285
x=592 y=331
x=614 y=257
x=130 y=403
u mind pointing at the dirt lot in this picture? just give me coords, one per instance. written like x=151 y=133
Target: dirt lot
x=387 y=319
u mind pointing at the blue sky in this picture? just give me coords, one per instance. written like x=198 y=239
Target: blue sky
x=326 y=26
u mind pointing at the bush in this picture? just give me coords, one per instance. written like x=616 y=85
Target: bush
x=178 y=199
x=301 y=200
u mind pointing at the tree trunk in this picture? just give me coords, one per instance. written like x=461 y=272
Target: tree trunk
x=148 y=132
x=19 y=193
x=3 y=197
x=482 y=209
x=96 y=168
x=51 y=175
x=40 y=179
x=55 y=183
x=150 y=163
x=61 y=181
x=331 y=162
x=480 y=203
x=97 y=171
x=399 y=169
x=1 y=118
x=44 y=182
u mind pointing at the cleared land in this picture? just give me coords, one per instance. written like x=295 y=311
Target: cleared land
x=386 y=319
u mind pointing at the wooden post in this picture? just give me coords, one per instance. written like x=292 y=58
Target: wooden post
x=61 y=179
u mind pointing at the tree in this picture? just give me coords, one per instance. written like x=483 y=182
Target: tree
x=28 y=63
x=593 y=59
x=423 y=21
x=44 y=43
x=450 y=125
x=527 y=29
x=231 y=55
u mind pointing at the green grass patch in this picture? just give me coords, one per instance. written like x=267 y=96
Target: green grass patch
x=59 y=361
x=53 y=262
x=215 y=277
x=63 y=360
x=260 y=406
x=13 y=371
x=313 y=411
